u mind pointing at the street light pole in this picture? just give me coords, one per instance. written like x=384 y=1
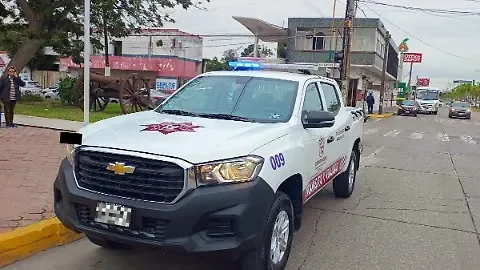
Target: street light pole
x=86 y=64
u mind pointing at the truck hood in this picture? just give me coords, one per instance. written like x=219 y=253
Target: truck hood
x=427 y=101
x=193 y=139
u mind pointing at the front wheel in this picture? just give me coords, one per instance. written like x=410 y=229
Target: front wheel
x=277 y=240
x=415 y=114
x=435 y=112
x=344 y=184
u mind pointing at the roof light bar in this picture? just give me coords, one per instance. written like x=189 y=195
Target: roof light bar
x=255 y=65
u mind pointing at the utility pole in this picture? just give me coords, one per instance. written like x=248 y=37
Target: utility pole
x=346 y=48
x=384 y=72
x=105 y=35
x=410 y=77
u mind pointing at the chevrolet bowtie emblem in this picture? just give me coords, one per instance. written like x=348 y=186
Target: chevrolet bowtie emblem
x=120 y=168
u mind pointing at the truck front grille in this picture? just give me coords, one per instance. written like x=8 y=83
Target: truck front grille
x=151 y=180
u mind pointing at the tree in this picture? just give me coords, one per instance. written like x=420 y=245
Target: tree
x=229 y=55
x=262 y=50
x=60 y=23
x=214 y=65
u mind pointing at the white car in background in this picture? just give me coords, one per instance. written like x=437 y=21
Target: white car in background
x=31 y=87
x=50 y=93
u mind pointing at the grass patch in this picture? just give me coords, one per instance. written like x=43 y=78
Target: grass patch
x=476 y=109
x=56 y=110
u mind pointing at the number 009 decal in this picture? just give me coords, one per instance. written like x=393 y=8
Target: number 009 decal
x=277 y=161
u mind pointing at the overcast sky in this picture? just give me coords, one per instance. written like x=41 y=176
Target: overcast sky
x=450 y=34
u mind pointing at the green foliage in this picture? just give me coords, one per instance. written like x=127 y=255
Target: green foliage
x=66 y=90
x=31 y=98
x=466 y=92
x=28 y=26
x=262 y=50
x=214 y=65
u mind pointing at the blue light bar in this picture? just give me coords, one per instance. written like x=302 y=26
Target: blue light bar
x=245 y=65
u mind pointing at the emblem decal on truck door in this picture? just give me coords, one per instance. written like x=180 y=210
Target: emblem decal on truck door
x=171 y=127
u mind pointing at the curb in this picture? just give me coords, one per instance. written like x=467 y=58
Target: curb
x=380 y=116
x=26 y=241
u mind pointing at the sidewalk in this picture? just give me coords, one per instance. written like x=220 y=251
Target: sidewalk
x=40 y=122
x=29 y=160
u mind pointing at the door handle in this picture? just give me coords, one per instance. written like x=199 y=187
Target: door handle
x=330 y=139
x=347 y=128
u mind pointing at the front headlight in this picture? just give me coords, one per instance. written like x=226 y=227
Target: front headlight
x=468 y=110
x=70 y=149
x=236 y=170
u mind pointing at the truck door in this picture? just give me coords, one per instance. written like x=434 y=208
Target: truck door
x=318 y=151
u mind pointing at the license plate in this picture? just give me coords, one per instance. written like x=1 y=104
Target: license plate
x=113 y=214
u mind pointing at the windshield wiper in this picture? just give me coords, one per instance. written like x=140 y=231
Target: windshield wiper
x=179 y=112
x=226 y=116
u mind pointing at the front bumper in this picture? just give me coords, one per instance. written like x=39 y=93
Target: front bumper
x=428 y=109
x=216 y=218
x=407 y=112
x=460 y=114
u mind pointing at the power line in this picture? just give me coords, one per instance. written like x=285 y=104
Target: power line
x=413 y=36
x=433 y=10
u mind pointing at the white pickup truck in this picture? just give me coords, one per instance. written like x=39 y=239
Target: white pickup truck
x=224 y=164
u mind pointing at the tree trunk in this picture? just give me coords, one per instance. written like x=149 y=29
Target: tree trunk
x=26 y=51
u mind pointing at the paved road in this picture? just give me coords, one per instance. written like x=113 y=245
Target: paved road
x=416 y=206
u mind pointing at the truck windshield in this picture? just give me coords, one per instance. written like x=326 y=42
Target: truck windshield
x=243 y=98
x=428 y=94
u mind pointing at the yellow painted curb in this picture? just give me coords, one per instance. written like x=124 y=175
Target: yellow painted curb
x=26 y=241
x=385 y=115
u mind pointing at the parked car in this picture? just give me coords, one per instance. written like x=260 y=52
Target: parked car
x=408 y=107
x=50 y=94
x=460 y=109
x=31 y=87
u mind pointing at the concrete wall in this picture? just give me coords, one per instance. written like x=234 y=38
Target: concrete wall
x=145 y=44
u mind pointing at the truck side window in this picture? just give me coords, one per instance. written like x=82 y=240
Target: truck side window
x=331 y=98
x=312 y=101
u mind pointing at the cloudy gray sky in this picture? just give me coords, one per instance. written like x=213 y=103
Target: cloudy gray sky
x=456 y=37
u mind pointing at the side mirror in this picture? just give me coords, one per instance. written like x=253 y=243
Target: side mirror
x=318 y=119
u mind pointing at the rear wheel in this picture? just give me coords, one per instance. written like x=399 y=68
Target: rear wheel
x=277 y=243
x=415 y=114
x=344 y=184
x=435 y=112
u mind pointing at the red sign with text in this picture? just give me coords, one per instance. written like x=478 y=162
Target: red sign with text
x=412 y=57
x=423 y=82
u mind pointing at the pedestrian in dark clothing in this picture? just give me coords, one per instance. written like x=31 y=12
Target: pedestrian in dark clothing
x=10 y=93
x=370 y=102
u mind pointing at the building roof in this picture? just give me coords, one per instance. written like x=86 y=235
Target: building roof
x=265 y=31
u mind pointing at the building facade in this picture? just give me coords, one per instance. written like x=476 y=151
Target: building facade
x=168 y=57
x=310 y=40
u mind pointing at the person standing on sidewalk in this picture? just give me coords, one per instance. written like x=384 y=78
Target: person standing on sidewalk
x=10 y=93
x=370 y=102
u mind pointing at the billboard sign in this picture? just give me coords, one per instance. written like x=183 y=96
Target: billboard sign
x=166 y=84
x=412 y=57
x=423 y=82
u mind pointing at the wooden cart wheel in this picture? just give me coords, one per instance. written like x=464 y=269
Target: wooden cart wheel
x=134 y=94
x=97 y=102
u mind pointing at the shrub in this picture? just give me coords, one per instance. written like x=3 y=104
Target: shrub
x=31 y=98
x=66 y=90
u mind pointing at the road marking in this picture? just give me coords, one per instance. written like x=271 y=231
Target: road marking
x=443 y=137
x=372 y=158
x=392 y=133
x=451 y=121
x=371 y=131
x=465 y=122
x=416 y=136
x=438 y=120
x=468 y=139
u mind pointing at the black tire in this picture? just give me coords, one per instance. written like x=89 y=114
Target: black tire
x=341 y=184
x=260 y=258
x=398 y=113
x=435 y=112
x=106 y=243
x=415 y=114
x=450 y=116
